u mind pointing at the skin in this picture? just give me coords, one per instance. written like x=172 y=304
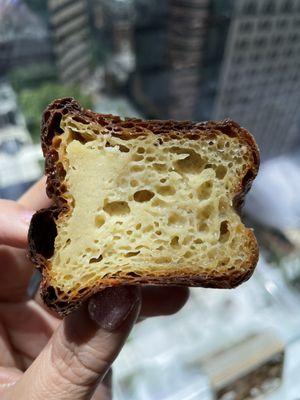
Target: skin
x=42 y=356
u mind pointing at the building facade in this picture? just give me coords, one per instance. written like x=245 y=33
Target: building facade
x=186 y=32
x=260 y=76
x=69 y=26
x=19 y=166
x=213 y=59
x=24 y=39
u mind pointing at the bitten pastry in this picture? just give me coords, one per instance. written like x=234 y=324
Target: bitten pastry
x=141 y=202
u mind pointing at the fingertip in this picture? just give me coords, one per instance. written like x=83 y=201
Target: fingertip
x=36 y=196
x=112 y=306
x=178 y=296
x=14 y=223
x=163 y=300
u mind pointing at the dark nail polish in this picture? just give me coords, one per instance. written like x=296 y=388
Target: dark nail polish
x=111 y=307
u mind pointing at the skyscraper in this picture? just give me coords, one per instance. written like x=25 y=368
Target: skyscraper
x=259 y=82
x=148 y=84
x=212 y=59
x=115 y=39
x=186 y=32
x=24 y=39
x=69 y=27
x=169 y=39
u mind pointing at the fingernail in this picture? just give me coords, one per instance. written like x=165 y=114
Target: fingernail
x=26 y=216
x=110 y=308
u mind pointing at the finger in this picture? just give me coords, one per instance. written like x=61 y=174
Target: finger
x=7 y=358
x=156 y=300
x=36 y=197
x=15 y=279
x=81 y=351
x=14 y=223
x=8 y=378
x=104 y=390
x=162 y=300
x=29 y=327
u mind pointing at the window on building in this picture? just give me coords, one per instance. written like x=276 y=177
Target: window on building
x=265 y=25
x=282 y=23
x=250 y=8
x=269 y=7
x=246 y=26
x=287 y=6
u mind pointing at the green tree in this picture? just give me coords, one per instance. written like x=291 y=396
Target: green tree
x=34 y=101
x=32 y=76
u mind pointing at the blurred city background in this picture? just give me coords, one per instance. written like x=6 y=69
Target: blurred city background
x=179 y=59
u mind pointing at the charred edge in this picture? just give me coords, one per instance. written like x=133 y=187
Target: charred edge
x=51 y=298
x=228 y=127
x=247 y=179
x=50 y=295
x=42 y=249
x=52 y=118
x=217 y=282
x=238 y=203
x=42 y=233
x=62 y=303
x=239 y=199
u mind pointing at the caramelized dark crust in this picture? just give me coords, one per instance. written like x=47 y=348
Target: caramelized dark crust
x=43 y=228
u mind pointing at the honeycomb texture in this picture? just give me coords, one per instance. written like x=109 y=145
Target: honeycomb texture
x=147 y=206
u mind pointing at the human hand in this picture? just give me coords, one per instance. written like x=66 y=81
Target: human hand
x=44 y=356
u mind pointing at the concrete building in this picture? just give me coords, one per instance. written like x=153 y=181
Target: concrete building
x=169 y=39
x=24 y=38
x=19 y=158
x=211 y=59
x=70 y=34
x=10 y=115
x=117 y=34
x=149 y=81
x=186 y=33
x=259 y=82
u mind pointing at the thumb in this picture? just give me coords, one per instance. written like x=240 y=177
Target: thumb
x=82 y=349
